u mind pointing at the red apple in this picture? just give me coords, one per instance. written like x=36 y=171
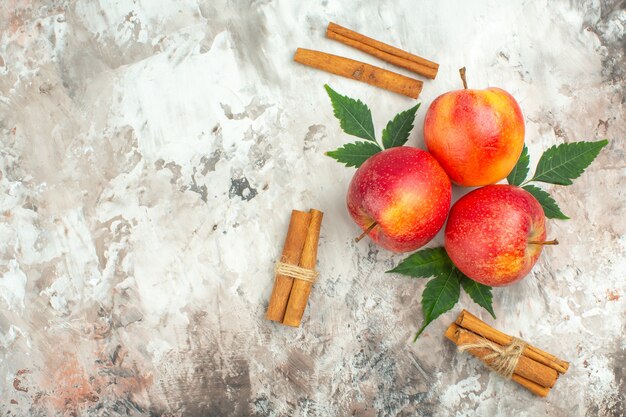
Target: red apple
x=476 y=135
x=495 y=234
x=403 y=195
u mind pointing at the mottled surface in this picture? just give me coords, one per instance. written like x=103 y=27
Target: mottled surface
x=151 y=152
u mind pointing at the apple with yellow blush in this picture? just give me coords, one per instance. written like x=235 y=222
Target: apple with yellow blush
x=476 y=135
x=495 y=234
x=400 y=197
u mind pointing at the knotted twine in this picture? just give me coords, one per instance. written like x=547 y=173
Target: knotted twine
x=504 y=359
x=296 y=272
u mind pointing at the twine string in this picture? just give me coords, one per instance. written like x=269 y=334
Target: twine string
x=293 y=271
x=503 y=359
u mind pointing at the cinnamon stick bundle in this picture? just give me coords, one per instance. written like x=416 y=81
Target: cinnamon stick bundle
x=383 y=51
x=533 y=368
x=476 y=325
x=295 y=272
x=359 y=71
x=301 y=288
x=292 y=250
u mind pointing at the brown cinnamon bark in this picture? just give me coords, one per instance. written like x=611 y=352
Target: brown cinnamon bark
x=359 y=71
x=292 y=251
x=474 y=324
x=531 y=386
x=301 y=289
x=333 y=27
x=532 y=375
x=383 y=51
x=526 y=367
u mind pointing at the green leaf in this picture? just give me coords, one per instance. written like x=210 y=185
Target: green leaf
x=481 y=294
x=442 y=292
x=520 y=170
x=561 y=164
x=397 y=131
x=425 y=264
x=354 y=154
x=354 y=116
x=550 y=208
x=440 y=295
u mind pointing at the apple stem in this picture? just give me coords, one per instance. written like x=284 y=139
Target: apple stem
x=366 y=232
x=545 y=242
x=462 y=72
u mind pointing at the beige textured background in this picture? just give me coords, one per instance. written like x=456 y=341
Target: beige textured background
x=151 y=152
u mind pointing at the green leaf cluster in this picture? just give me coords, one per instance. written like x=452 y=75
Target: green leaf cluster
x=444 y=288
x=355 y=118
x=559 y=164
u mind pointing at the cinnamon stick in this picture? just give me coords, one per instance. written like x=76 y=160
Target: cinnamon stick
x=531 y=386
x=301 y=289
x=474 y=324
x=452 y=334
x=359 y=71
x=383 y=51
x=380 y=45
x=292 y=250
x=527 y=368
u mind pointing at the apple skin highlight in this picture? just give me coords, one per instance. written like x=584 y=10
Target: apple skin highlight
x=406 y=192
x=489 y=233
x=476 y=135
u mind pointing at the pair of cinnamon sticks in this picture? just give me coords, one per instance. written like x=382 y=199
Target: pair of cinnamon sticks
x=535 y=370
x=370 y=74
x=291 y=294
